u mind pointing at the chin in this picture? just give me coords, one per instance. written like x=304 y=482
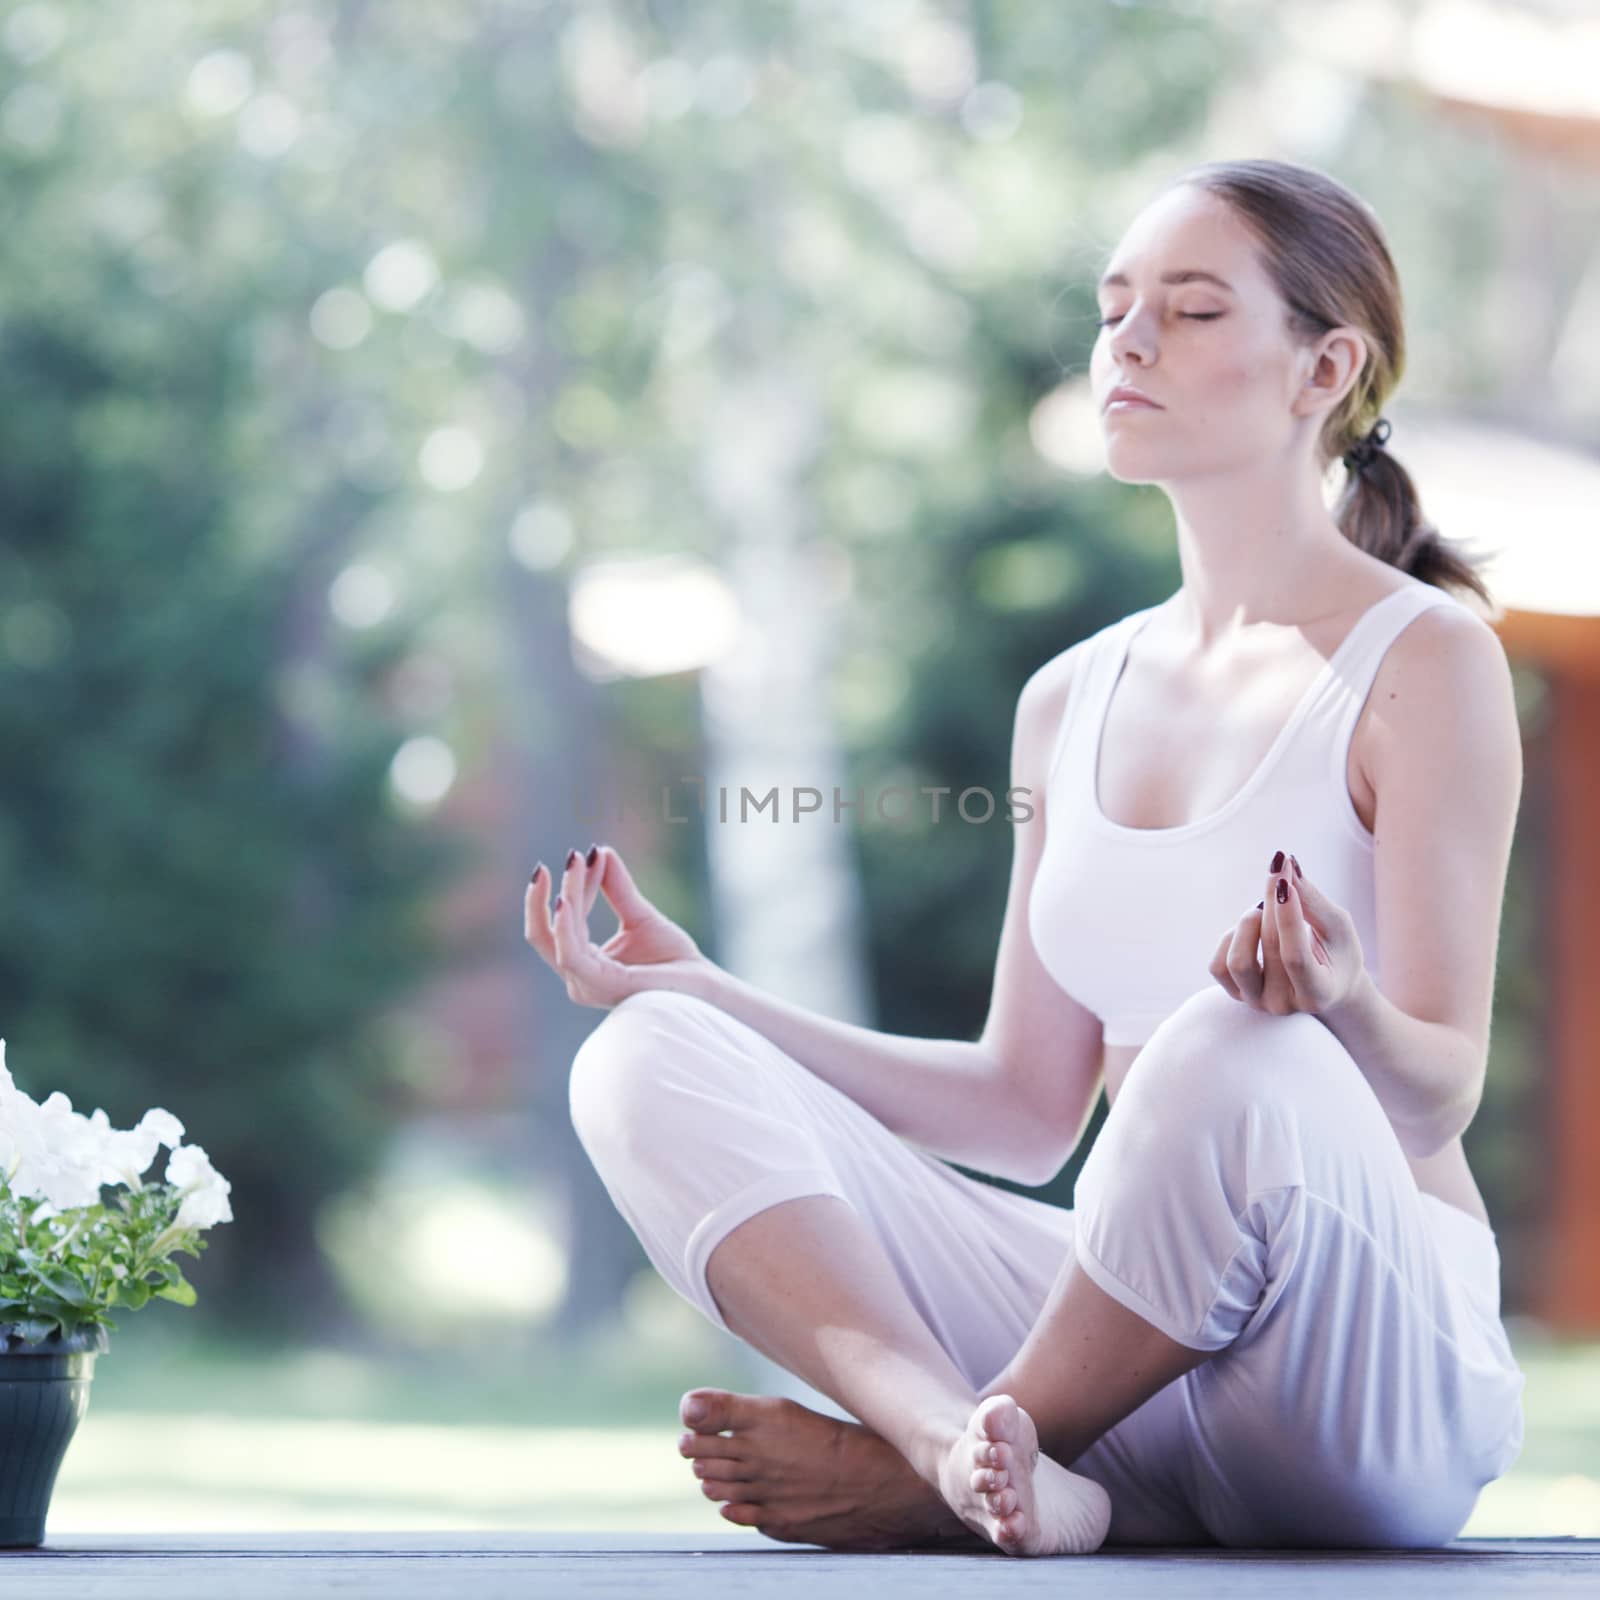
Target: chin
x=1125 y=467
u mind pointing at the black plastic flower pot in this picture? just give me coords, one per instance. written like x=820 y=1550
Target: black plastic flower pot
x=44 y=1392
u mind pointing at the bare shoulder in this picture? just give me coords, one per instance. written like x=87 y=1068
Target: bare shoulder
x=1049 y=683
x=1447 y=672
x=1444 y=653
x=1040 y=707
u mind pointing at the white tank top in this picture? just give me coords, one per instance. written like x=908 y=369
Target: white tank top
x=1127 y=920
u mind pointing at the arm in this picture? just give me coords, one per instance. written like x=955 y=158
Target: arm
x=1048 y=1046
x=944 y=1095
x=1427 y=1075
x=1444 y=757
x=1012 y=1104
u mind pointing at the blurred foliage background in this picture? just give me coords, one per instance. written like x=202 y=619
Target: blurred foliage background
x=340 y=339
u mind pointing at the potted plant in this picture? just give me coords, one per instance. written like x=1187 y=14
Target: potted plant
x=67 y=1257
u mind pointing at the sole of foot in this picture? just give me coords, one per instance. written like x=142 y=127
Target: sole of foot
x=1000 y=1484
x=803 y=1478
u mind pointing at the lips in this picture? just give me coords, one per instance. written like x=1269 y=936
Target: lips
x=1127 y=395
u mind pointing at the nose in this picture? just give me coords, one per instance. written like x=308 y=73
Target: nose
x=1129 y=340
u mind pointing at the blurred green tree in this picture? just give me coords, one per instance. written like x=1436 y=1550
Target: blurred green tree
x=211 y=896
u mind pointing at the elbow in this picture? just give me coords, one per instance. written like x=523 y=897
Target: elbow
x=1048 y=1143
x=1420 y=1144
x=1424 y=1140
x=1040 y=1159
x=1461 y=1115
x=1454 y=1103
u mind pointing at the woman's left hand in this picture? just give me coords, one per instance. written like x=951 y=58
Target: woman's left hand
x=1311 y=954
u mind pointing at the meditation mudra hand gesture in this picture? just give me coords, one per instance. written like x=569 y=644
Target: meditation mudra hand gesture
x=1311 y=953
x=648 y=950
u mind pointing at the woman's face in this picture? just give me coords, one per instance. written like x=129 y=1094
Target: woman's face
x=1215 y=357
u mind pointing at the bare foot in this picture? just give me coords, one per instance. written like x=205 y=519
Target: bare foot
x=1000 y=1484
x=804 y=1478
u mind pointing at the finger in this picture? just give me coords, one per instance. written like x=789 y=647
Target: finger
x=620 y=889
x=589 y=972
x=1269 y=922
x=1277 y=988
x=1294 y=936
x=1219 y=968
x=1242 y=966
x=1321 y=914
x=571 y=936
x=536 y=914
x=594 y=866
x=573 y=879
x=561 y=921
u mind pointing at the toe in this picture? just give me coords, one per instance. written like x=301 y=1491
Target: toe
x=997 y=1419
x=698 y=1446
x=718 y=1413
x=741 y=1512
x=1009 y=1531
x=723 y=1471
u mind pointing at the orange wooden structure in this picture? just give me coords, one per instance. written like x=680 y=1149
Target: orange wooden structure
x=1566 y=649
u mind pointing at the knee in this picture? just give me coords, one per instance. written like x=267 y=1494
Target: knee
x=621 y=1073
x=1214 y=1056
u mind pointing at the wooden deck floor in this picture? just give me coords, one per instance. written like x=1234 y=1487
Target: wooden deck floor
x=490 y=1565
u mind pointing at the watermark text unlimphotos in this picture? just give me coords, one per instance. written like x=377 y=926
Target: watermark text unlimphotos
x=893 y=805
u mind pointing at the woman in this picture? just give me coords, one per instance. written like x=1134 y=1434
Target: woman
x=1272 y=1315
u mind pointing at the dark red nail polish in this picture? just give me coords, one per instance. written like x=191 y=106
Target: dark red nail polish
x=536 y=871
x=593 y=855
x=572 y=855
x=1261 y=905
x=1283 y=890
x=1297 y=872
x=557 y=906
x=1277 y=863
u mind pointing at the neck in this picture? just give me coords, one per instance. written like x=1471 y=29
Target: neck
x=1257 y=546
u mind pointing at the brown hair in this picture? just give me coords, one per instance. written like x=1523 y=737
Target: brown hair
x=1325 y=251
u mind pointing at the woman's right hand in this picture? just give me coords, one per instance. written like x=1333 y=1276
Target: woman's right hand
x=648 y=950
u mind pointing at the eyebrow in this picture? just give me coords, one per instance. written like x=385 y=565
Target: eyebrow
x=1178 y=275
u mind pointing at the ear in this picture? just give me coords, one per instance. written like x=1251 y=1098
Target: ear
x=1332 y=364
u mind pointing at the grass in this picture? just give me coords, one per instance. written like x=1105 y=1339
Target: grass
x=508 y=1433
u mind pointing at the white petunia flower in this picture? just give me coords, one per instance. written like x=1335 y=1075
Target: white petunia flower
x=54 y=1154
x=205 y=1191
x=22 y=1143
x=166 y=1127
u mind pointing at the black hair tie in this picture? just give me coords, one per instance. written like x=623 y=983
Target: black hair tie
x=1363 y=452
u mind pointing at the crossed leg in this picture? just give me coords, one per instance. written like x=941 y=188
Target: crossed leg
x=810 y=1286
x=723 y=1154
x=752 y=1225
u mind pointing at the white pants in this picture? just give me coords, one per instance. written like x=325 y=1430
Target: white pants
x=1246 y=1195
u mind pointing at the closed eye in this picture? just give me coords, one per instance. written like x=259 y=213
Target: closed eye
x=1193 y=316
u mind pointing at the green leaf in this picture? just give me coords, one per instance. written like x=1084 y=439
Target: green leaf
x=182 y=1291
x=133 y=1293
x=64 y=1284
